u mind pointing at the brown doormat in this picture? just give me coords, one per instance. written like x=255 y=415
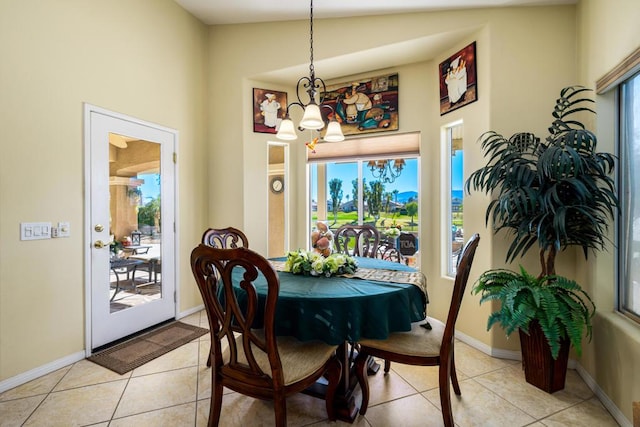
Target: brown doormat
x=131 y=354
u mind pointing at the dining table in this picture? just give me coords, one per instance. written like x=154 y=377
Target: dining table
x=381 y=297
x=120 y=266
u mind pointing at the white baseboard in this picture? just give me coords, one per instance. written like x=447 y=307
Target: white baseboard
x=573 y=364
x=480 y=346
x=189 y=312
x=25 y=377
x=604 y=399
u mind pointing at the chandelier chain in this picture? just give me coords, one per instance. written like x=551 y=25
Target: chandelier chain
x=311 y=68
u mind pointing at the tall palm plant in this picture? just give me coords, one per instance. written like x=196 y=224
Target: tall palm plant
x=558 y=192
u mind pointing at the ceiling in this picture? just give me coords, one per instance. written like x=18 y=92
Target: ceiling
x=218 y=12
x=214 y=12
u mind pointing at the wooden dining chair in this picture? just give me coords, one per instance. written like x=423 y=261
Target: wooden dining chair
x=255 y=362
x=225 y=238
x=389 y=253
x=357 y=240
x=422 y=346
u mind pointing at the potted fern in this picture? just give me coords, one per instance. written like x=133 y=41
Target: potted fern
x=552 y=194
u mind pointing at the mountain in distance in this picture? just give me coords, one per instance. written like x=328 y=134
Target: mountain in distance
x=405 y=196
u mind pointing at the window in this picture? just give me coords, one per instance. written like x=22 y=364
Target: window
x=629 y=187
x=369 y=181
x=453 y=181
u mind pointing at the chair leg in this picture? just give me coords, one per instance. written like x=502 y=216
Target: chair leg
x=454 y=375
x=387 y=366
x=216 y=402
x=445 y=396
x=333 y=376
x=361 y=374
x=209 y=360
x=280 y=407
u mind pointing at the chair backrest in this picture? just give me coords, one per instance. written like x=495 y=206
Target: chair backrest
x=225 y=238
x=357 y=240
x=389 y=253
x=226 y=280
x=462 y=276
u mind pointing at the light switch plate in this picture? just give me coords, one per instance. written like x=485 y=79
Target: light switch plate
x=35 y=230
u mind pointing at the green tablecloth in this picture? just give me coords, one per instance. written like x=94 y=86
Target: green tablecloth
x=338 y=309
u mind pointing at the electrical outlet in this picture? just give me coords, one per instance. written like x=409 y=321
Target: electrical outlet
x=54 y=232
x=64 y=229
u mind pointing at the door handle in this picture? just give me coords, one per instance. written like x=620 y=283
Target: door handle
x=99 y=244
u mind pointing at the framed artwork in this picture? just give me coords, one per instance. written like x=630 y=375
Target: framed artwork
x=458 y=80
x=364 y=105
x=269 y=108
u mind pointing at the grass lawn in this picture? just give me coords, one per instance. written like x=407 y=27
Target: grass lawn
x=385 y=220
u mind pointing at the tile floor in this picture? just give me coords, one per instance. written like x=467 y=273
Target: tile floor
x=174 y=390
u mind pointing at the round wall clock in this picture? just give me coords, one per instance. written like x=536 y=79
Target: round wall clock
x=277 y=184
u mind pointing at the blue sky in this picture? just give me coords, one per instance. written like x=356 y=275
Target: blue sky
x=407 y=181
x=150 y=188
x=457 y=174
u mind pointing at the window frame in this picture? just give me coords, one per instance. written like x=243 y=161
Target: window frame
x=360 y=151
x=624 y=278
x=448 y=265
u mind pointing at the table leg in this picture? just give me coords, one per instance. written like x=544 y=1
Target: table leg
x=345 y=405
x=117 y=284
x=133 y=279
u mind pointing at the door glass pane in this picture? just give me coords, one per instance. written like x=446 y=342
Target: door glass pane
x=135 y=273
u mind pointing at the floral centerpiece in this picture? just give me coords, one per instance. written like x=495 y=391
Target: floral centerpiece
x=393 y=230
x=312 y=263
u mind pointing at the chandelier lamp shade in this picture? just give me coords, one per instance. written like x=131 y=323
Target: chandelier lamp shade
x=312 y=117
x=385 y=171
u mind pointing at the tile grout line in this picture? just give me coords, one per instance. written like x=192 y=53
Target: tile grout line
x=48 y=394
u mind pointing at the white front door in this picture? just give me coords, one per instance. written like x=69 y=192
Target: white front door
x=129 y=225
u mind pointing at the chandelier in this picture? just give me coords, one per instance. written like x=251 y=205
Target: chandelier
x=312 y=118
x=384 y=170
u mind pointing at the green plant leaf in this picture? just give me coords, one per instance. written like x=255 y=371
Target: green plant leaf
x=561 y=307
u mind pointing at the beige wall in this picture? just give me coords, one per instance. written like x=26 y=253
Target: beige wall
x=151 y=60
x=514 y=80
x=608 y=32
x=147 y=59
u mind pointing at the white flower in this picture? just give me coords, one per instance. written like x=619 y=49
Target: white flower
x=314 y=264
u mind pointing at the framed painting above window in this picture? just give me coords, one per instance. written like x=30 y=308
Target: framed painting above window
x=364 y=105
x=269 y=108
x=458 y=80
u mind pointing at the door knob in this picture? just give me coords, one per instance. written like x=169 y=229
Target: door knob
x=99 y=227
x=99 y=244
